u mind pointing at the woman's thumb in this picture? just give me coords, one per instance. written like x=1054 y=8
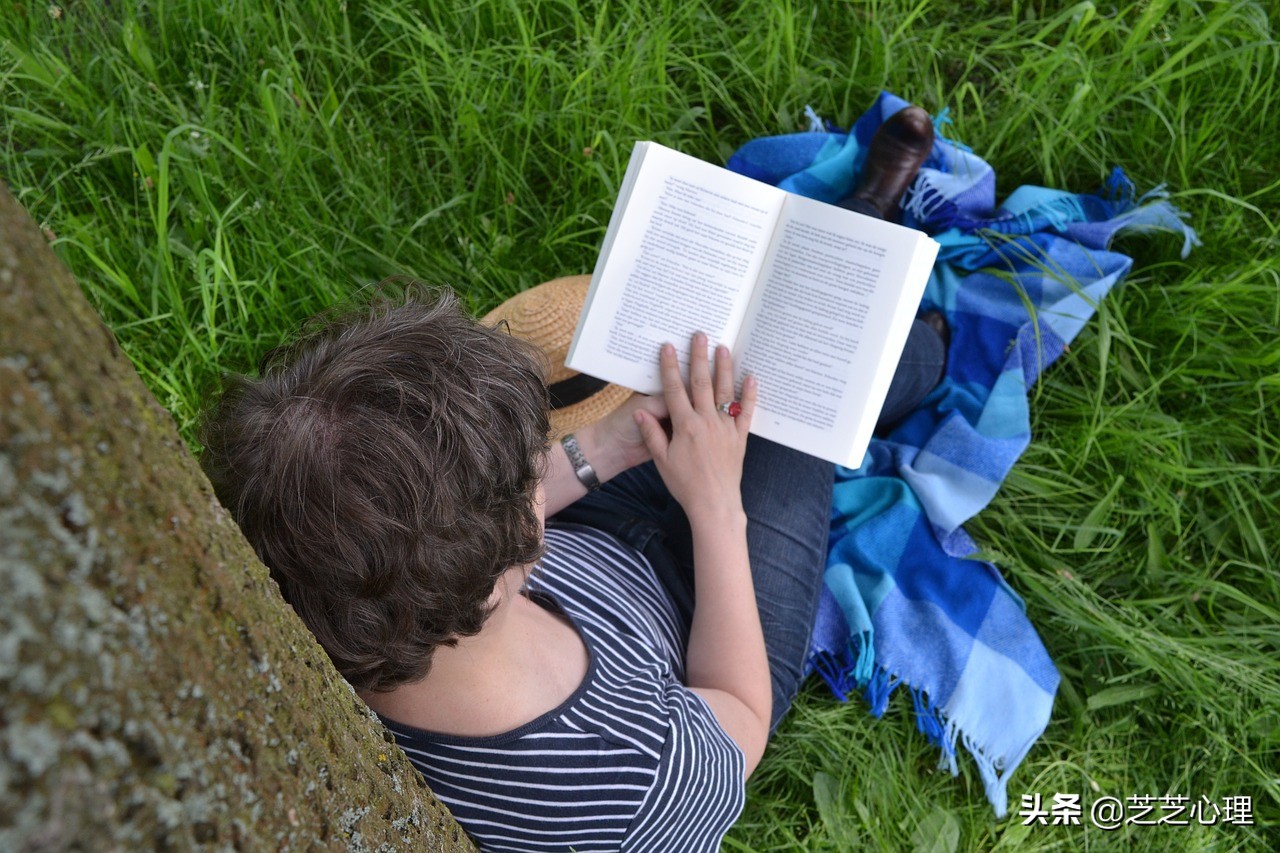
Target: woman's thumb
x=652 y=433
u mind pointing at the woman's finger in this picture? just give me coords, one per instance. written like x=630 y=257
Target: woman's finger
x=672 y=385
x=652 y=434
x=750 y=389
x=700 y=374
x=724 y=375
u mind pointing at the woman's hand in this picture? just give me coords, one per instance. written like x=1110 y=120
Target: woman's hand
x=616 y=440
x=701 y=461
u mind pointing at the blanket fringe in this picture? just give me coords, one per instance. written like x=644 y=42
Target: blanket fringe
x=941 y=120
x=927 y=204
x=855 y=668
x=849 y=671
x=994 y=773
x=929 y=721
x=878 y=690
x=1119 y=188
x=816 y=124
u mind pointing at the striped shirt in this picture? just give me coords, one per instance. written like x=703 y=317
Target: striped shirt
x=633 y=760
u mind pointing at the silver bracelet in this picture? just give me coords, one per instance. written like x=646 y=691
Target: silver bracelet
x=581 y=467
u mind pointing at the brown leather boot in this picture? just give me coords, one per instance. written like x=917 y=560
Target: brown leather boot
x=898 y=149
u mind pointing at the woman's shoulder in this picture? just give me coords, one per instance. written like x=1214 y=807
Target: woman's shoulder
x=633 y=754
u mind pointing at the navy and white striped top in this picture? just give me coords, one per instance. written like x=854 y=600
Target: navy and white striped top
x=633 y=760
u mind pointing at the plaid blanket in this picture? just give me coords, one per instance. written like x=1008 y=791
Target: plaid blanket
x=905 y=602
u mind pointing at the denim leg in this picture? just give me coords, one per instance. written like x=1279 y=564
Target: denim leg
x=919 y=370
x=787 y=498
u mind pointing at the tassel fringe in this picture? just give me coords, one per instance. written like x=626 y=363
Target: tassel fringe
x=845 y=673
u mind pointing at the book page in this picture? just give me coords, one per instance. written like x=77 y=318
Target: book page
x=826 y=328
x=683 y=251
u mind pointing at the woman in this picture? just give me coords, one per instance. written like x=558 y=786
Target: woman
x=392 y=470
x=605 y=680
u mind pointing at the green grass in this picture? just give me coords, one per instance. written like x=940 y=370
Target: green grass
x=215 y=172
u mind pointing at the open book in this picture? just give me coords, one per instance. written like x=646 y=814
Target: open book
x=814 y=300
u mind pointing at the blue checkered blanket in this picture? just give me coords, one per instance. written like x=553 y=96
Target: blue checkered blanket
x=905 y=601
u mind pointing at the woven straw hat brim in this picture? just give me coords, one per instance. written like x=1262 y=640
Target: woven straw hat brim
x=546 y=315
x=575 y=417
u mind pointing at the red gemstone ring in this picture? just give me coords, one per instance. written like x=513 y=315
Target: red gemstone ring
x=732 y=409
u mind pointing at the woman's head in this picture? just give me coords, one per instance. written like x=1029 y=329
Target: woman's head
x=384 y=466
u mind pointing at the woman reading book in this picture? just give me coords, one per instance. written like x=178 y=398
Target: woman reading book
x=582 y=644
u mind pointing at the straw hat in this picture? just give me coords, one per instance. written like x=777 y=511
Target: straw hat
x=546 y=315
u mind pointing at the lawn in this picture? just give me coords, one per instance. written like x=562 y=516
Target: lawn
x=214 y=172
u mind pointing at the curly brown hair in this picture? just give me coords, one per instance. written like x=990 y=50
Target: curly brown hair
x=385 y=466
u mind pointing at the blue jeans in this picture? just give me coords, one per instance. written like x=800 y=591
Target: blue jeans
x=787 y=498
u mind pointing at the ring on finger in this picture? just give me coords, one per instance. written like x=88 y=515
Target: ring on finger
x=733 y=408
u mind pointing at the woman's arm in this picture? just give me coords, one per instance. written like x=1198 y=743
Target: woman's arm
x=701 y=464
x=611 y=444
